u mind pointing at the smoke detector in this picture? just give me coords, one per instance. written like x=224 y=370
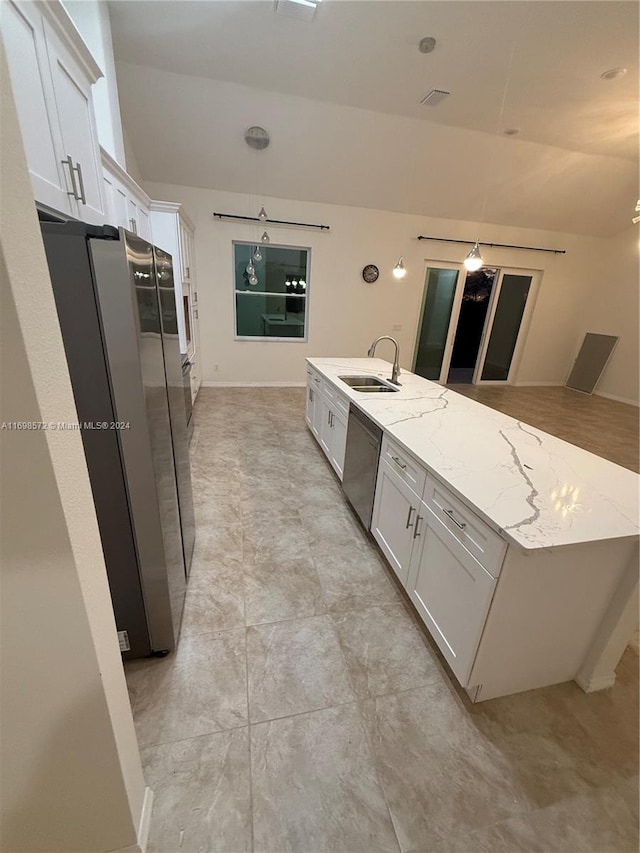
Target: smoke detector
x=427 y=45
x=257 y=137
x=435 y=97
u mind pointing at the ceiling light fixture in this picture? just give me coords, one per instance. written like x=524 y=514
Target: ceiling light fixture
x=613 y=73
x=399 y=271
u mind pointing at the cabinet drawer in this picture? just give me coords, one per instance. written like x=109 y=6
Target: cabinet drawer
x=340 y=403
x=405 y=466
x=475 y=535
x=313 y=378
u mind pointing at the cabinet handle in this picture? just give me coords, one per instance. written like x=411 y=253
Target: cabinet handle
x=82 y=196
x=459 y=524
x=187 y=273
x=74 y=187
x=416 y=531
x=399 y=463
x=311 y=395
x=195 y=312
x=408 y=524
x=132 y=223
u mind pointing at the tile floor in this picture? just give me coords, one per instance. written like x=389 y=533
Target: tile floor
x=306 y=710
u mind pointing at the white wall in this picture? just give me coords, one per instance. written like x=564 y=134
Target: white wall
x=345 y=313
x=612 y=307
x=91 y=17
x=71 y=774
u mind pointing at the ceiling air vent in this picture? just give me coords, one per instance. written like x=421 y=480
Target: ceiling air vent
x=303 y=10
x=435 y=97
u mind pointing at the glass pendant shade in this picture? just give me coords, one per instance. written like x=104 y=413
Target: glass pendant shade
x=262 y=216
x=265 y=238
x=250 y=269
x=257 y=255
x=253 y=280
x=399 y=271
x=474 y=261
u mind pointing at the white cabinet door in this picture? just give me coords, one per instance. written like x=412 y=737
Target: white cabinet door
x=395 y=510
x=72 y=92
x=26 y=50
x=323 y=416
x=338 y=441
x=310 y=406
x=451 y=591
x=144 y=223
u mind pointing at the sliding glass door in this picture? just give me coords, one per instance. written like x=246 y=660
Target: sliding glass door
x=434 y=333
x=503 y=327
x=472 y=323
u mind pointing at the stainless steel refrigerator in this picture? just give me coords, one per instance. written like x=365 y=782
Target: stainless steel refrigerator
x=114 y=294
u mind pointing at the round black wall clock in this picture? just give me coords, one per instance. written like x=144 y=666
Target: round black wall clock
x=370 y=273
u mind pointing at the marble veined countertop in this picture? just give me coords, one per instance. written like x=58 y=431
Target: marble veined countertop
x=536 y=490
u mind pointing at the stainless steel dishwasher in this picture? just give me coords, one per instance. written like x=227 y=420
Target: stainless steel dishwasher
x=361 y=463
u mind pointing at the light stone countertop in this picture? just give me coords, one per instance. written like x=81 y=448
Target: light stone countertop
x=536 y=490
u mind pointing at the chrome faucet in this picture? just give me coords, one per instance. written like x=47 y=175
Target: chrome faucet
x=396 y=362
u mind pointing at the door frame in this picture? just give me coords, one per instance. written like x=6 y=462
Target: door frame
x=454 y=317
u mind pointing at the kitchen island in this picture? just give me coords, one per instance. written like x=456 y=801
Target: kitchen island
x=518 y=550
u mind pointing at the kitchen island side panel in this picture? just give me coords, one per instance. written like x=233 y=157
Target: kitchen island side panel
x=546 y=613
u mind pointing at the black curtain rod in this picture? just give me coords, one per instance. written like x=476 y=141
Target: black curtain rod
x=494 y=245
x=269 y=221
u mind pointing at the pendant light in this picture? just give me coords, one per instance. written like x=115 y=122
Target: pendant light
x=399 y=271
x=253 y=280
x=262 y=216
x=265 y=238
x=474 y=261
x=257 y=255
x=250 y=269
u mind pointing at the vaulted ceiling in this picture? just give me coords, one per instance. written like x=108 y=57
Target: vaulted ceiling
x=341 y=95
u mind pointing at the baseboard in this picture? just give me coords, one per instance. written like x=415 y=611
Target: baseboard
x=145 y=820
x=209 y=384
x=591 y=685
x=617 y=398
x=537 y=384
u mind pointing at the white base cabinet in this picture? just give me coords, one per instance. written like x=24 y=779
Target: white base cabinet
x=326 y=414
x=450 y=590
x=393 y=523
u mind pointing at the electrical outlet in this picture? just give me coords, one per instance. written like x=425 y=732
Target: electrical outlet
x=396 y=328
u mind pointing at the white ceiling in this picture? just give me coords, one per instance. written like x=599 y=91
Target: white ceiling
x=340 y=95
x=543 y=58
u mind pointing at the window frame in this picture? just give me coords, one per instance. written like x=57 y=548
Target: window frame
x=270 y=338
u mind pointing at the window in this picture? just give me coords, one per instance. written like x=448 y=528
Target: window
x=271 y=303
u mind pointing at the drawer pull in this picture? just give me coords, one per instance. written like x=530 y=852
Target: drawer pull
x=459 y=524
x=409 y=524
x=399 y=463
x=416 y=531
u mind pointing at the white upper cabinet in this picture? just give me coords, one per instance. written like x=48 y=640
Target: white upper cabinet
x=23 y=37
x=126 y=204
x=51 y=74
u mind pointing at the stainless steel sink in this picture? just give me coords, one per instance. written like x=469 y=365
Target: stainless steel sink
x=367 y=384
